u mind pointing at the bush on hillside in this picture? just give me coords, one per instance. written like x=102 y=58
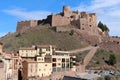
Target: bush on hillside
x=71 y=33
x=103 y=27
x=112 y=59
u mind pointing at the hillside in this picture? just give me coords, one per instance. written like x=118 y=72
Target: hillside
x=43 y=35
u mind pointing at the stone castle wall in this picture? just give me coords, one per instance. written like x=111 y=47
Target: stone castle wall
x=84 y=21
x=24 y=25
x=115 y=39
x=58 y=20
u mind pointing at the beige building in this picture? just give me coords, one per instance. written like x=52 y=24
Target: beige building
x=42 y=60
x=34 y=51
x=60 y=61
x=33 y=69
x=44 y=50
x=27 y=52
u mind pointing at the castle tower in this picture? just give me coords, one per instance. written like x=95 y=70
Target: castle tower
x=1 y=44
x=66 y=11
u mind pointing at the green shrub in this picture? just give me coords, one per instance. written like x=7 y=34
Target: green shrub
x=112 y=59
x=71 y=33
x=107 y=78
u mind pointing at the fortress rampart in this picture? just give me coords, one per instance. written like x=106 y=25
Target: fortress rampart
x=115 y=39
x=23 y=25
x=84 y=21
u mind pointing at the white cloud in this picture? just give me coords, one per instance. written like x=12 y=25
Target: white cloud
x=23 y=14
x=108 y=12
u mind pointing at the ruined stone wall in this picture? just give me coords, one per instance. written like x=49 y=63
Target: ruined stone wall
x=23 y=25
x=115 y=39
x=58 y=20
x=88 y=23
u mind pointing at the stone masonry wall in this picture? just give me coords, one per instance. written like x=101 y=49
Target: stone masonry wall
x=23 y=25
x=58 y=20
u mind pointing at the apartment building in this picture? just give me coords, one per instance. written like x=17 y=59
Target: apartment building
x=43 y=60
x=39 y=50
x=44 y=50
x=34 y=69
x=28 y=53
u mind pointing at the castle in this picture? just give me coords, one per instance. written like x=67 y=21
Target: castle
x=84 y=21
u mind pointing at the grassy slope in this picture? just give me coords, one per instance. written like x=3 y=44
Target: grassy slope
x=100 y=57
x=43 y=36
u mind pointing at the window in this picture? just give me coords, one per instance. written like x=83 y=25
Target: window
x=67 y=65
x=63 y=59
x=54 y=64
x=48 y=49
x=40 y=49
x=67 y=60
x=63 y=65
x=39 y=58
x=45 y=64
x=54 y=59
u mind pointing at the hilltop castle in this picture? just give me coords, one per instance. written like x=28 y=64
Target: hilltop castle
x=83 y=20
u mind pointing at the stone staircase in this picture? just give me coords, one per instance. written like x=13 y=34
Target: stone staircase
x=85 y=62
x=89 y=56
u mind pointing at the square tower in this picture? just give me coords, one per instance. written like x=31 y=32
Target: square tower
x=66 y=11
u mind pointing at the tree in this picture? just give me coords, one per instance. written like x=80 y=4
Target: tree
x=103 y=27
x=71 y=33
x=107 y=78
x=112 y=59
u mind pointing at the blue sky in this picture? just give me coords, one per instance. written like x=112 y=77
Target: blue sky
x=108 y=11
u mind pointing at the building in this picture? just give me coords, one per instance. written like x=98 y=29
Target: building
x=39 y=50
x=44 y=50
x=43 y=60
x=60 y=61
x=28 y=53
x=34 y=69
x=84 y=21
